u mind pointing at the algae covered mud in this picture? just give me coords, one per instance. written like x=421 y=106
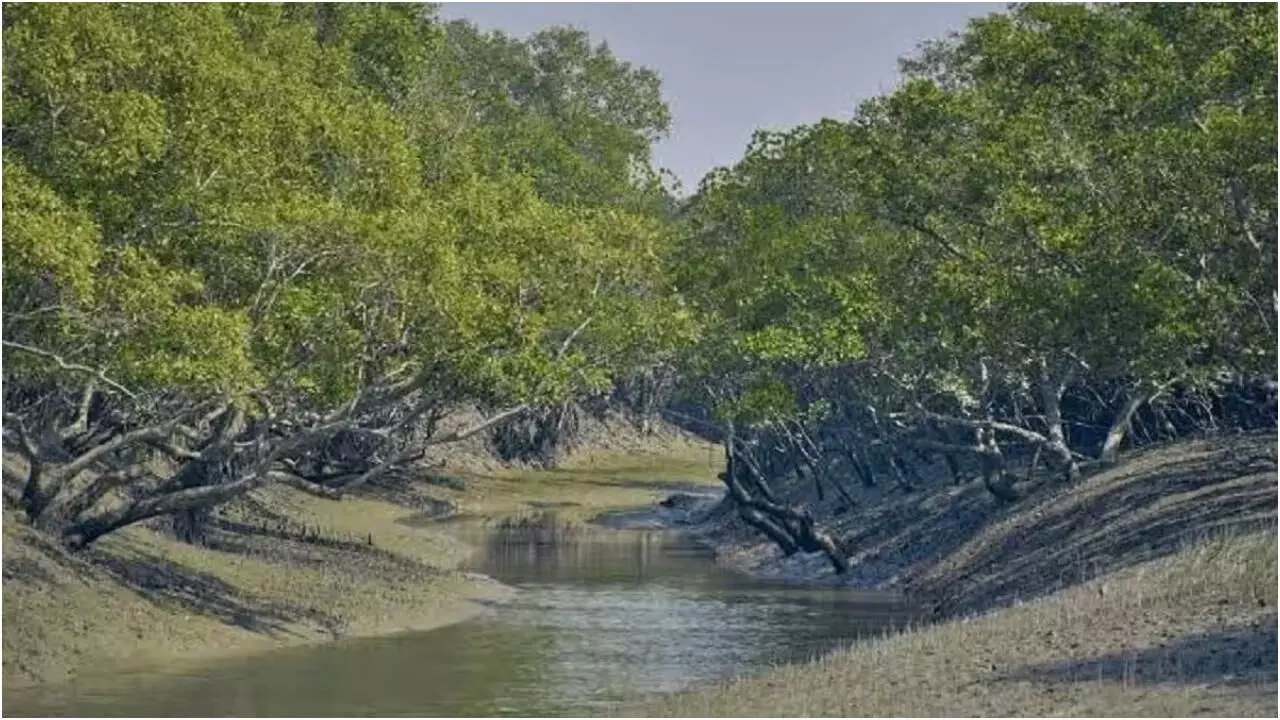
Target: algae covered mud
x=601 y=617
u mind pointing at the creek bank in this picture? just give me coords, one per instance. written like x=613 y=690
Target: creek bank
x=1148 y=588
x=140 y=599
x=1190 y=634
x=679 y=511
x=281 y=567
x=965 y=552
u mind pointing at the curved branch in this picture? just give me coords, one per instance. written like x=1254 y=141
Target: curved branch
x=152 y=433
x=1028 y=435
x=86 y=531
x=97 y=373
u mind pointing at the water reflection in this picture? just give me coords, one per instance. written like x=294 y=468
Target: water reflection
x=601 y=618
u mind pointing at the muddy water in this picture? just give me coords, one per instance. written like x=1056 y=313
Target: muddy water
x=600 y=618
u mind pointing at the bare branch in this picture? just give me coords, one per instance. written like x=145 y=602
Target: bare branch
x=457 y=435
x=400 y=458
x=81 y=424
x=934 y=235
x=74 y=501
x=950 y=447
x=388 y=396
x=89 y=529
x=158 y=431
x=564 y=347
x=25 y=444
x=1028 y=435
x=34 y=313
x=416 y=453
x=98 y=373
x=305 y=485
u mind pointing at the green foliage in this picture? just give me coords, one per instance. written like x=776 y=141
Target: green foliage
x=51 y=250
x=303 y=199
x=569 y=115
x=1060 y=192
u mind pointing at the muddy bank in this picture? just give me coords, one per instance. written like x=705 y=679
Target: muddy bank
x=1147 y=589
x=281 y=567
x=962 y=550
x=685 y=508
x=1190 y=634
x=141 y=598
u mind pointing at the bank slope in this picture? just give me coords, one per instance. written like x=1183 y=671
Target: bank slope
x=282 y=567
x=1147 y=589
x=1191 y=634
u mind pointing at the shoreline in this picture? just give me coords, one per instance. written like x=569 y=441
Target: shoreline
x=1148 y=588
x=1178 y=586
x=448 y=597
x=460 y=610
x=935 y=543
x=287 y=569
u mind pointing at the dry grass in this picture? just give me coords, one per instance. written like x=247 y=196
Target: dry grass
x=1230 y=567
x=1193 y=633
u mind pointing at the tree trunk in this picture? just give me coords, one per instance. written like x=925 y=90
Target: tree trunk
x=83 y=532
x=935 y=431
x=791 y=529
x=861 y=468
x=774 y=531
x=905 y=473
x=34 y=498
x=993 y=473
x=1121 y=425
x=80 y=498
x=953 y=466
x=1051 y=399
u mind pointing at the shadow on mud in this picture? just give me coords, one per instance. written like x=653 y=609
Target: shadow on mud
x=1236 y=656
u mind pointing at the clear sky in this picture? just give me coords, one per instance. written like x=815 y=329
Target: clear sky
x=731 y=68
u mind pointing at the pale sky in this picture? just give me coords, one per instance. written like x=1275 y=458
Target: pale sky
x=730 y=68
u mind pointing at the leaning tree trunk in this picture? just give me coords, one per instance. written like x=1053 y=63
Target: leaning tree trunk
x=87 y=529
x=994 y=476
x=732 y=477
x=792 y=529
x=1121 y=425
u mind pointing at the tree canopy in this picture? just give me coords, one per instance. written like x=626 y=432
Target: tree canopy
x=317 y=212
x=236 y=234
x=1063 y=203
x=1059 y=191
